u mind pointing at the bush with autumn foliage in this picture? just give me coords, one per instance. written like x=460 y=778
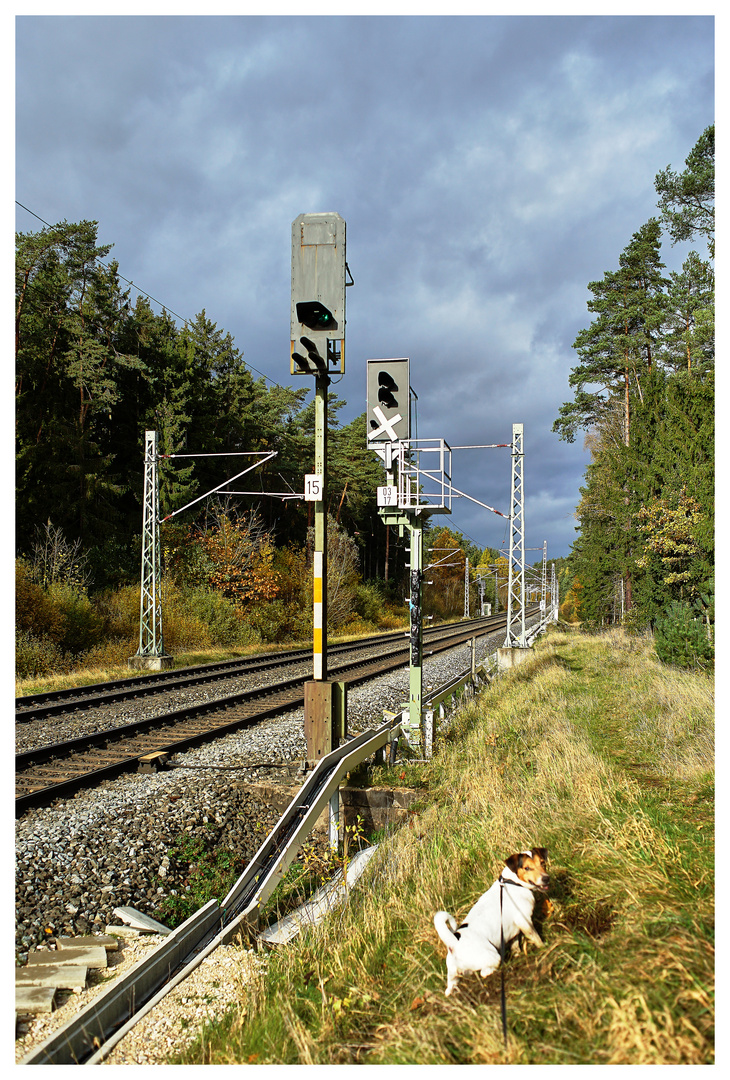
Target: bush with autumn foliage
x=225 y=584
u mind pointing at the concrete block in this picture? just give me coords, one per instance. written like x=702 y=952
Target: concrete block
x=93 y=957
x=128 y=933
x=377 y=807
x=508 y=658
x=64 y=976
x=140 y=921
x=151 y=663
x=111 y=944
x=30 y=1000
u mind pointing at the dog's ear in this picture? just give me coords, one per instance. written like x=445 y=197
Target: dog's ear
x=541 y=853
x=514 y=862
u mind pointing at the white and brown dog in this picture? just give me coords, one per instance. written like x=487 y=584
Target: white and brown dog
x=475 y=944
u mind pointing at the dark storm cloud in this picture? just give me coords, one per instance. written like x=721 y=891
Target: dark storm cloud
x=488 y=169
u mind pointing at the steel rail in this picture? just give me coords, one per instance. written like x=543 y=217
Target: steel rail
x=90 y=1036
x=37 y=706
x=288 y=695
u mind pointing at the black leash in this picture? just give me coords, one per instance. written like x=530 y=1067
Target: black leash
x=501 y=965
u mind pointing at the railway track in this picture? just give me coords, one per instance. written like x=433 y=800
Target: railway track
x=91 y=1034
x=58 y=770
x=38 y=706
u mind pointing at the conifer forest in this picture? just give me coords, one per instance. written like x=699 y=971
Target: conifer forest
x=644 y=399
x=96 y=368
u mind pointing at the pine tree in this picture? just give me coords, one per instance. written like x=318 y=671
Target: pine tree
x=618 y=350
x=688 y=339
x=70 y=320
x=681 y=639
x=687 y=199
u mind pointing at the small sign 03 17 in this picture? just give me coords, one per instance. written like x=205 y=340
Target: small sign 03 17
x=388 y=495
x=313 y=487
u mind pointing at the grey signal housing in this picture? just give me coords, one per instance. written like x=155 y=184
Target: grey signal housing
x=318 y=258
x=388 y=401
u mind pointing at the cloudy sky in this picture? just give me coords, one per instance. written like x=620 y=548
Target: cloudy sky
x=487 y=167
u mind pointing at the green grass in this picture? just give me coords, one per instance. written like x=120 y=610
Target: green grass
x=593 y=749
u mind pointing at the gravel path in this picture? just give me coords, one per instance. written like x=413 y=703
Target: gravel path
x=109 y=846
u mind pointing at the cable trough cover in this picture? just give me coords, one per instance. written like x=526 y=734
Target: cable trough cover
x=92 y=1033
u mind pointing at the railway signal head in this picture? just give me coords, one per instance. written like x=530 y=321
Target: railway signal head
x=315 y=316
x=388 y=401
x=318 y=294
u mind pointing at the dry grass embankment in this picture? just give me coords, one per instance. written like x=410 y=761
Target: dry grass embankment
x=593 y=749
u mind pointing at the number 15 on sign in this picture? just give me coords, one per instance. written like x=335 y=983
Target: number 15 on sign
x=313 y=487
x=388 y=496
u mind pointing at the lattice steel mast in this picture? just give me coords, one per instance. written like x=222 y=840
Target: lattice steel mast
x=151 y=649
x=516 y=582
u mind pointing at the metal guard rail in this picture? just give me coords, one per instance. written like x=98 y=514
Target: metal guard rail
x=90 y=1036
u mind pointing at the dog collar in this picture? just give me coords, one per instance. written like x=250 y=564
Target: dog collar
x=513 y=881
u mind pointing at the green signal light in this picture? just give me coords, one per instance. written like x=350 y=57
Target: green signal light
x=316 y=316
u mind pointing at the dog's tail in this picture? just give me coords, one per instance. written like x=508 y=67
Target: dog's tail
x=445 y=925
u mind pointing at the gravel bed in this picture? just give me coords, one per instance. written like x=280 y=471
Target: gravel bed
x=31 y=734
x=110 y=846
x=79 y=859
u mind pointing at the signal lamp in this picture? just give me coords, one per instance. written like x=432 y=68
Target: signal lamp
x=315 y=315
x=301 y=363
x=314 y=356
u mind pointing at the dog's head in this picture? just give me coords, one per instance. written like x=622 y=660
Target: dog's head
x=531 y=868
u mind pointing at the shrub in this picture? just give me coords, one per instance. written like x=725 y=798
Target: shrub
x=273 y=620
x=82 y=627
x=182 y=628
x=119 y=611
x=393 y=618
x=35 y=656
x=60 y=613
x=35 y=613
x=109 y=654
x=681 y=639
x=221 y=617
x=369 y=602
x=56 y=560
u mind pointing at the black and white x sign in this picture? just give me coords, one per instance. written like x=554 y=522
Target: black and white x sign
x=387 y=427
